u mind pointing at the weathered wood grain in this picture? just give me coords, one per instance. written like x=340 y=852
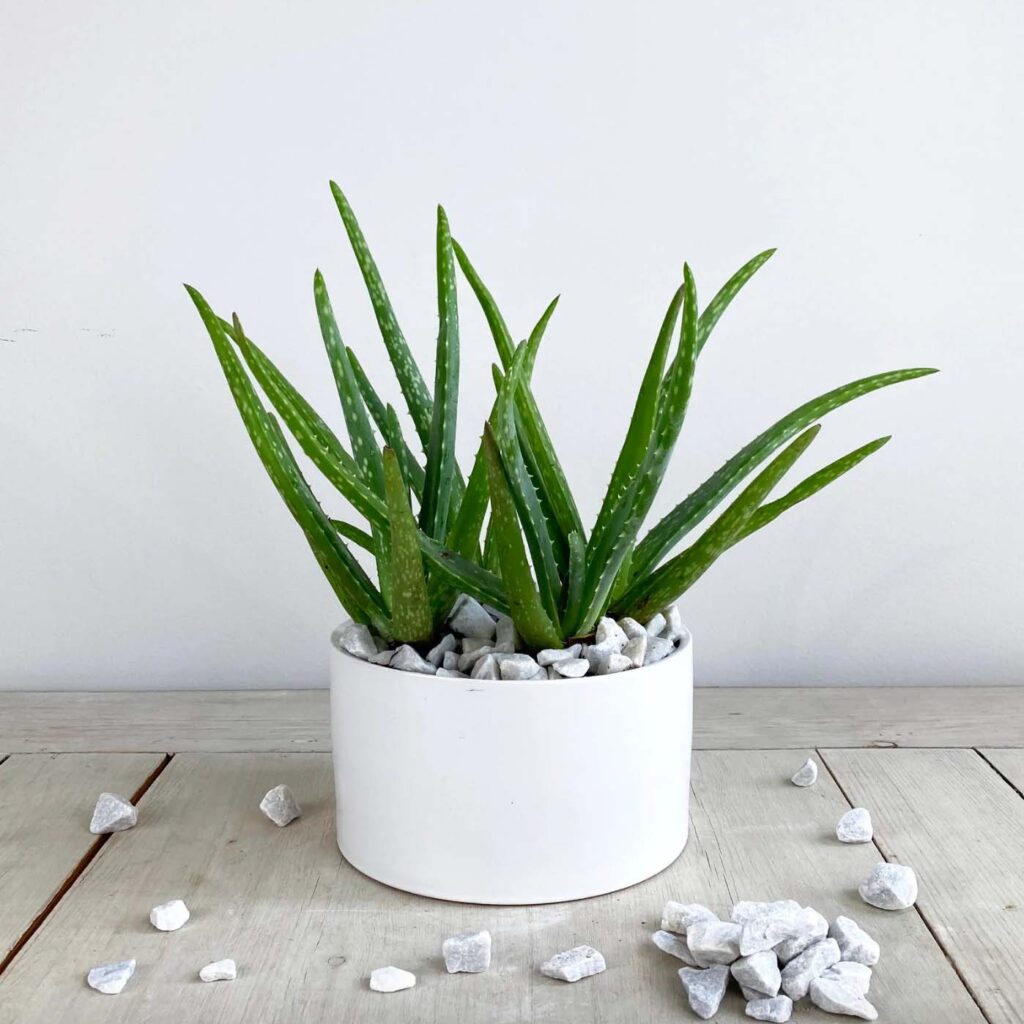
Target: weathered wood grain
x=1009 y=763
x=724 y=719
x=306 y=929
x=47 y=801
x=949 y=816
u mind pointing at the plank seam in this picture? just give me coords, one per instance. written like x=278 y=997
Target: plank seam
x=877 y=843
x=77 y=871
x=1001 y=775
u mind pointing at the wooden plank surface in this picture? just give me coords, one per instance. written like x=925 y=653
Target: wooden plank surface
x=729 y=718
x=1009 y=763
x=306 y=929
x=47 y=802
x=952 y=818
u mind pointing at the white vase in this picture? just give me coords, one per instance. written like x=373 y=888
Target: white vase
x=487 y=791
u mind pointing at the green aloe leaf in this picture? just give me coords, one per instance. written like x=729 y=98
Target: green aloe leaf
x=411 y=617
x=465 y=576
x=575 y=581
x=677 y=575
x=441 y=468
x=692 y=510
x=720 y=303
x=524 y=600
x=354 y=534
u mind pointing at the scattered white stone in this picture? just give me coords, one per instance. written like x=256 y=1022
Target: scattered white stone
x=112 y=814
x=812 y=928
x=111 y=978
x=705 y=988
x=574 y=964
x=778 y=1009
x=357 y=640
x=391 y=979
x=759 y=973
x=485 y=668
x=382 y=658
x=855 y=945
x=674 y=945
x=517 y=667
x=673 y=623
x=890 y=887
x=280 y=805
x=798 y=974
x=574 y=668
x=470 y=618
x=407 y=659
x=636 y=650
x=806 y=774
x=838 y=995
x=766 y=925
x=850 y=973
x=656 y=626
x=677 y=917
x=631 y=628
x=714 y=942
x=609 y=631
x=219 y=970
x=170 y=916
x=446 y=645
x=505 y=632
x=855 y=826
x=658 y=648
x=550 y=656
x=446 y=673
x=468 y=952
x=450 y=661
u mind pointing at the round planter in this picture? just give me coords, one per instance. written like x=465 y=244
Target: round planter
x=486 y=791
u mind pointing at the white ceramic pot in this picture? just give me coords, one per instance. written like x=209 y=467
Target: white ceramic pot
x=487 y=791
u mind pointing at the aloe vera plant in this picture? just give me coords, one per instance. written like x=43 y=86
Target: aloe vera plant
x=510 y=533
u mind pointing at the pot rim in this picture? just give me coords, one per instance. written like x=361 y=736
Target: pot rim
x=507 y=685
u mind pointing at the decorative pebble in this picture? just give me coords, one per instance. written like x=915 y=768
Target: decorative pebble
x=855 y=826
x=219 y=970
x=677 y=917
x=705 y=988
x=485 y=668
x=656 y=626
x=812 y=928
x=759 y=973
x=446 y=673
x=658 y=648
x=550 y=656
x=673 y=623
x=505 y=633
x=382 y=658
x=170 y=916
x=574 y=964
x=357 y=640
x=636 y=650
x=609 y=632
x=446 y=645
x=616 y=663
x=714 y=942
x=112 y=814
x=599 y=655
x=631 y=628
x=765 y=925
x=450 y=661
x=469 y=659
x=573 y=668
x=111 y=978
x=470 y=618
x=468 y=952
x=517 y=667
x=391 y=979
x=778 y=1009
x=280 y=806
x=806 y=774
x=838 y=995
x=798 y=974
x=890 y=887
x=854 y=943
x=674 y=945
x=471 y=644
x=407 y=659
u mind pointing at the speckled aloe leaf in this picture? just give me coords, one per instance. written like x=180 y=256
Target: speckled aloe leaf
x=348 y=580
x=524 y=600
x=720 y=303
x=440 y=469
x=662 y=587
x=693 y=509
x=353 y=533
x=771 y=511
x=464 y=575
x=575 y=581
x=411 y=617
x=315 y=438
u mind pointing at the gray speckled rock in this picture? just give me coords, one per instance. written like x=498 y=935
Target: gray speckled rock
x=280 y=806
x=837 y=995
x=658 y=648
x=673 y=623
x=856 y=975
x=111 y=978
x=470 y=618
x=381 y=658
x=759 y=973
x=714 y=942
x=170 y=916
x=446 y=645
x=505 y=633
x=550 y=656
x=854 y=943
x=573 y=668
x=450 y=661
x=485 y=668
x=812 y=928
x=616 y=663
x=598 y=655
x=448 y=673
x=890 y=887
x=677 y=917
x=765 y=925
x=391 y=979
x=636 y=650
x=806 y=774
x=517 y=667
x=631 y=628
x=407 y=659
x=609 y=632
x=798 y=974
x=219 y=970
x=855 y=826
x=674 y=945
x=656 y=625
x=471 y=644
x=468 y=952
x=705 y=988
x=357 y=640
x=574 y=964
x=112 y=813
x=468 y=660
x=778 y=1009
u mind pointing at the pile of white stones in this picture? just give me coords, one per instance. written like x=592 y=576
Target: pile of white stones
x=483 y=644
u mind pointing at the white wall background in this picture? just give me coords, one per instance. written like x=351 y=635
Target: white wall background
x=579 y=148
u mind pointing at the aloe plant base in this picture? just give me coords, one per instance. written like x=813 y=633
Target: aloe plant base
x=498 y=792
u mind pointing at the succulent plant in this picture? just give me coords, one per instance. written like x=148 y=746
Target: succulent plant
x=510 y=533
